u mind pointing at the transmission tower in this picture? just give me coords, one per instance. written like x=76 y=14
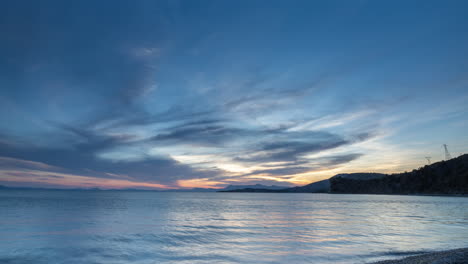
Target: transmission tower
x=428 y=160
x=447 y=154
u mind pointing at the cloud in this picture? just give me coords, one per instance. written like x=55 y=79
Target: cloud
x=340 y=159
x=203 y=134
x=84 y=153
x=38 y=178
x=141 y=118
x=81 y=158
x=212 y=132
x=6 y=162
x=292 y=150
x=308 y=165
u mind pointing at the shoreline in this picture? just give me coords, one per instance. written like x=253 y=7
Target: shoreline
x=453 y=256
x=233 y=191
x=393 y=194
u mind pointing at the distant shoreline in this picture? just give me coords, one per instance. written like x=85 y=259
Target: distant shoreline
x=232 y=191
x=396 y=194
x=403 y=194
x=454 y=256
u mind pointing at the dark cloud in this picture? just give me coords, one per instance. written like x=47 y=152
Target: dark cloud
x=293 y=150
x=92 y=142
x=205 y=134
x=340 y=159
x=282 y=171
x=328 y=162
x=212 y=132
x=199 y=123
x=81 y=159
x=138 y=117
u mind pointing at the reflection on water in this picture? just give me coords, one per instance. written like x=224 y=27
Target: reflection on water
x=151 y=227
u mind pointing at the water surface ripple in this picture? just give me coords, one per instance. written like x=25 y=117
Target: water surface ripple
x=156 y=227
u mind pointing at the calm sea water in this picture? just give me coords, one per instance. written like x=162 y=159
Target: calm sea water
x=150 y=227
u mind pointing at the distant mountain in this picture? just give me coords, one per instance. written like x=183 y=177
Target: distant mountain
x=256 y=186
x=316 y=187
x=445 y=177
x=192 y=190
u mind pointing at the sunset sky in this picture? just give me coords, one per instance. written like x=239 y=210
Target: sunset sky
x=181 y=94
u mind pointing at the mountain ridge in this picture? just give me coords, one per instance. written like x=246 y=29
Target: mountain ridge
x=444 y=177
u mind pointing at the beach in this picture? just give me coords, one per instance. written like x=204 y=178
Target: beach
x=455 y=256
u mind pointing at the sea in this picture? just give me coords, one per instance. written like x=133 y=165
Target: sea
x=52 y=226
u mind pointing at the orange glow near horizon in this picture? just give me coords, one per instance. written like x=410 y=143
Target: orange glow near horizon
x=199 y=183
x=38 y=175
x=71 y=180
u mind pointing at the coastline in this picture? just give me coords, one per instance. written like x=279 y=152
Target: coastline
x=453 y=256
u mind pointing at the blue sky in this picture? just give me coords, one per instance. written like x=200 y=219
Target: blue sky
x=179 y=94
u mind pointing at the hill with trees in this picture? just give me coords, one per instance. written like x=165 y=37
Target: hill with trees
x=445 y=177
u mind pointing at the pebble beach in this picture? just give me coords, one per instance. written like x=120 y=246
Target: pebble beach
x=456 y=256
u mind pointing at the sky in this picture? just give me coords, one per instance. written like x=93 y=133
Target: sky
x=184 y=94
